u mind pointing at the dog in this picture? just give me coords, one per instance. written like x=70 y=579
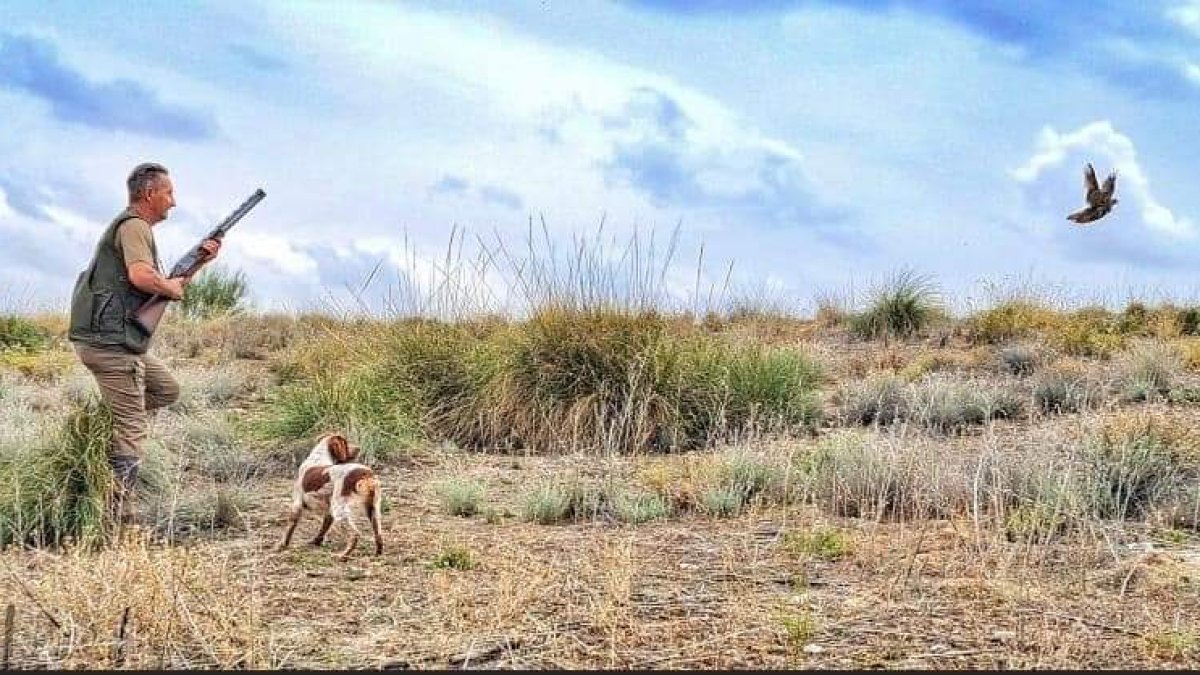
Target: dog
x=331 y=484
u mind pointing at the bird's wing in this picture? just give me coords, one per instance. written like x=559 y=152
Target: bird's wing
x=1089 y=179
x=1110 y=184
x=1084 y=215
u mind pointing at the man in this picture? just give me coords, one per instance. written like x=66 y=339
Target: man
x=124 y=273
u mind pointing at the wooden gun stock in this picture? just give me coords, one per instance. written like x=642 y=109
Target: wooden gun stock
x=150 y=313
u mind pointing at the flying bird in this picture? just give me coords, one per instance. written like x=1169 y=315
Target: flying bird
x=1099 y=198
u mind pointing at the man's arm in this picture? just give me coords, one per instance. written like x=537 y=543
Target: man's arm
x=143 y=276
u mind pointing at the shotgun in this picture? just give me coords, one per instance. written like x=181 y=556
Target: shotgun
x=150 y=312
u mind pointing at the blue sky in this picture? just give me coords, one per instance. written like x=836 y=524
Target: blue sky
x=817 y=147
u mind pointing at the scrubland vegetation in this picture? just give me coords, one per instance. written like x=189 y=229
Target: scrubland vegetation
x=603 y=480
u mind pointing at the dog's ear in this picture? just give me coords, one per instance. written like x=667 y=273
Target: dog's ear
x=339 y=449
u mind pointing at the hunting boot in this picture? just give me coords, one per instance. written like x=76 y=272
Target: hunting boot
x=123 y=507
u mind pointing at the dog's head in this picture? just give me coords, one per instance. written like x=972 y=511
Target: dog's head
x=340 y=450
x=332 y=449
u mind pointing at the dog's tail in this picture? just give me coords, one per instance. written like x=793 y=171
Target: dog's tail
x=368 y=487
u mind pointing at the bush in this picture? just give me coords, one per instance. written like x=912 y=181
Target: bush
x=1015 y=319
x=460 y=498
x=1064 y=389
x=949 y=406
x=825 y=543
x=214 y=292
x=1149 y=370
x=22 y=334
x=1020 y=360
x=56 y=494
x=1138 y=461
x=1091 y=331
x=641 y=508
x=879 y=399
x=905 y=306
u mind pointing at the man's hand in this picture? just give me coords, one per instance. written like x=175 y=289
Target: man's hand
x=210 y=248
x=173 y=287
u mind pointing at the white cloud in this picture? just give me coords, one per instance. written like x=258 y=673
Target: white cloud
x=1100 y=140
x=277 y=251
x=1186 y=14
x=77 y=226
x=536 y=86
x=1192 y=72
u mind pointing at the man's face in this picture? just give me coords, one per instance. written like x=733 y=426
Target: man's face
x=161 y=197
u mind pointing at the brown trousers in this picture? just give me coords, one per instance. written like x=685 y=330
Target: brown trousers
x=133 y=385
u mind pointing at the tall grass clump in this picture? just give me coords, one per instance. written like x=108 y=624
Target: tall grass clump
x=341 y=381
x=906 y=305
x=22 y=334
x=877 y=399
x=581 y=380
x=57 y=493
x=1014 y=319
x=460 y=497
x=950 y=406
x=1088 y=331
x=592 y=363
x=1148 y=370
x=858 y=474
x=1139 y=461
x=214 y=292
x=1064 y=388
x=624 y=381
x=723 y=392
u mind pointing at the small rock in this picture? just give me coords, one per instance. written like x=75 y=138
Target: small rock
x=1004 y=636
x=813 y=649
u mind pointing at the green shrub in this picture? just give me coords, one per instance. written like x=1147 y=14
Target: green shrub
x=57 y=493
x=214 y=292
x=1020 y=360
x=641 y=508
x=825 y=543
x=1063 y=390
x=460 y=498
x=723 y=502
x=905 y=306
x=19 y=333
x=1139 y=461
x=878 y=399
x=454 y=558
x=1014 y=319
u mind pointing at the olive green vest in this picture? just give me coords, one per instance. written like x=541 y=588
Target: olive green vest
x=104 y=298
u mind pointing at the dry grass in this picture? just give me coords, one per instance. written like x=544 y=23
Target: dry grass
x=889 y=545
x=765 y=589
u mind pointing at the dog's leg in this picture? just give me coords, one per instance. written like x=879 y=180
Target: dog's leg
x=293 y=518
x=373 y=516
x=320 y=538
x=351 y=540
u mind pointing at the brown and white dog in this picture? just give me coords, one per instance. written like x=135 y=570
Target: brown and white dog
x=330 y=484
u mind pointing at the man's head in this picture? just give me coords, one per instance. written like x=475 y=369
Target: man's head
x=151 y=193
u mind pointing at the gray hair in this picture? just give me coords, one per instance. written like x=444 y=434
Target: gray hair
x=142 y=178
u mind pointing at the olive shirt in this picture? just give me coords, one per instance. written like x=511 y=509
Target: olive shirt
x=135 y=242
